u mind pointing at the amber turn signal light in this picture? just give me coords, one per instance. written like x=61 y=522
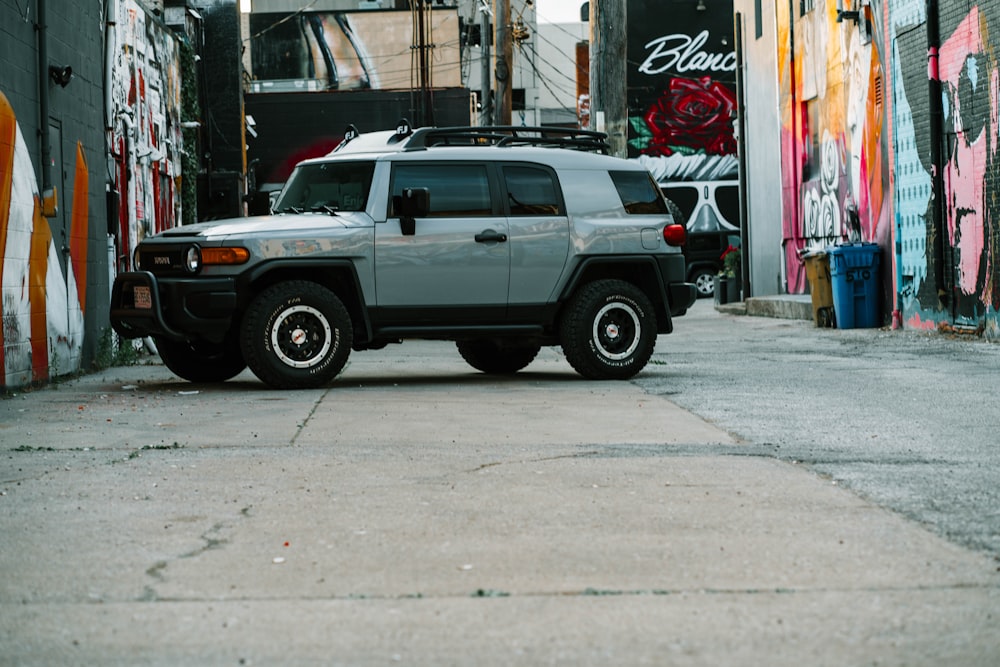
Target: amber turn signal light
x=224 y=255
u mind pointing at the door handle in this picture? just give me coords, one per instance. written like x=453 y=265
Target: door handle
x=490 y=236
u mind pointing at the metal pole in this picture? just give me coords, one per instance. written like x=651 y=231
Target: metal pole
x=936 y=113
x=741 y=147
x=48 y=191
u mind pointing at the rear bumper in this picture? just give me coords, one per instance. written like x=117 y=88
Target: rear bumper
x=177 y=309
x=681 y=294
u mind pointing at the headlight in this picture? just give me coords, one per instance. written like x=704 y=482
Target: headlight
x=192 y=259
x=136 y=264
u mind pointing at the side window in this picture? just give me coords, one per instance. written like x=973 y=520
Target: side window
x=456 y=190
x=727 y=198
x=638 y=192
x=530 y=191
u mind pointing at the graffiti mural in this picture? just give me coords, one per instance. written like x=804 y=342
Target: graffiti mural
x=42 y=331
x=145 y=141
x=950 y=259
x=835 y=175
x=682 y=92
x=349 y=50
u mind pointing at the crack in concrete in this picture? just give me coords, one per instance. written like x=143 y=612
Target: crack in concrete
x=490 y=593
x=211 y=541
x=302 y=427
x=544 y=459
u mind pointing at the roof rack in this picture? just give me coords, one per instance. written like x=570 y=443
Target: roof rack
x=509 y=135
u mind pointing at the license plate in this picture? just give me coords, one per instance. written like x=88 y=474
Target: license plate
x=141 y=297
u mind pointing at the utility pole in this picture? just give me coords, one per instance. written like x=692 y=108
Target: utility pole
x=503 y=45
x=426 y=108
x=608 y=106
x=486 y=115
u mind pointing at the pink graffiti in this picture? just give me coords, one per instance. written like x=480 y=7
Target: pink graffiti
x=962 y=63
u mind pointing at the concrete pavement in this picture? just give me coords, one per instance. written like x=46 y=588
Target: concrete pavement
x=416 y=512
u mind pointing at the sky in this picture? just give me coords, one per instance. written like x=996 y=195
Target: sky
x=558 y=11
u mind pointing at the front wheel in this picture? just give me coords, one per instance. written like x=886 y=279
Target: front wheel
x=296 y=335
x=201 y=361
x=497 y=357
x=608 y=330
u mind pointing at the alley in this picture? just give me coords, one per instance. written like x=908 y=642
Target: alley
x=416 y=512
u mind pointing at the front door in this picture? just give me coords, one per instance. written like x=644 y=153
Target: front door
x=455 y=267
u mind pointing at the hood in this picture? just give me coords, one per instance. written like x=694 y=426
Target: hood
x=308 y=223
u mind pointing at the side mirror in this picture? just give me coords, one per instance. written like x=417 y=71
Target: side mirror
x=413 y=203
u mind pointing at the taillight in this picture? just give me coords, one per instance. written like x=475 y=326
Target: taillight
x=675 y=235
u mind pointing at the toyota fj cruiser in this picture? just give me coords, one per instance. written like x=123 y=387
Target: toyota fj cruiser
x=502 y=239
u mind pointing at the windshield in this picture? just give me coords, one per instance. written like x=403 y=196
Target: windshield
x=327 y=186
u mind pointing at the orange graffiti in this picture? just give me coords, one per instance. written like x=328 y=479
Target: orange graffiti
x=38 y=268
x=78 y=226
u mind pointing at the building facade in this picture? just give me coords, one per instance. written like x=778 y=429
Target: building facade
x=80 y=188
x=887 y=117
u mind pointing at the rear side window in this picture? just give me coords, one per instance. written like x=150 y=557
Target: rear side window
x=456 y=190
x=530 y=191
x=638 y=192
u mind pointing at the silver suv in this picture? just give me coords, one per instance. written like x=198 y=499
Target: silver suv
x=502 y=239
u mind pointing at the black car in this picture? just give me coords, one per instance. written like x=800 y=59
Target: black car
x=710 y=212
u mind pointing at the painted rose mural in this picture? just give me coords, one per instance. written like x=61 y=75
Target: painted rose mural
x=682 y=107
x=691 y=116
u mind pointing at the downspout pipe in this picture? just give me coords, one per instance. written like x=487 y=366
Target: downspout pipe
x=741 y=147
x=936 y=116
x=48 y=191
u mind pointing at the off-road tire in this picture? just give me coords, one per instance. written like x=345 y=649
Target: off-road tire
x=608 y=330
x=497 y=357
x=296 y=335
x=201 y=362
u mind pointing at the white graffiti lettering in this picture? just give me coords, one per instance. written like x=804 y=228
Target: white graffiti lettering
x=682 y=53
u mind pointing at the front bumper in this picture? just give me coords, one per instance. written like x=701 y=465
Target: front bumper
x=179 y=309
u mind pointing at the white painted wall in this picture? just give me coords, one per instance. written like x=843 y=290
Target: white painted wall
x=763 y=146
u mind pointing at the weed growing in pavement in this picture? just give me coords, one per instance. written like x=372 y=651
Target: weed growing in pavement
x=114 y=351
x=145 y=448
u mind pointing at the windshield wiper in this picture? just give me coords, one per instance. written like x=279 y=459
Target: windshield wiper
x=291 y=209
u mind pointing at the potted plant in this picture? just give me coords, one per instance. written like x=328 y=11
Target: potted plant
x=731 y=275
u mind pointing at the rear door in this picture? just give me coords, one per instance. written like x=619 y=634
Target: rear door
x=539 y=231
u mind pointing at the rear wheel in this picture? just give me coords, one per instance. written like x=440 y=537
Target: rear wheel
x=497 y=357
x=296 y=335
x=608 y=330
x=201 y=361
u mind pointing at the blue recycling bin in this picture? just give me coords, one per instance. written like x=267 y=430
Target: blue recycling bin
x=854 y=277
